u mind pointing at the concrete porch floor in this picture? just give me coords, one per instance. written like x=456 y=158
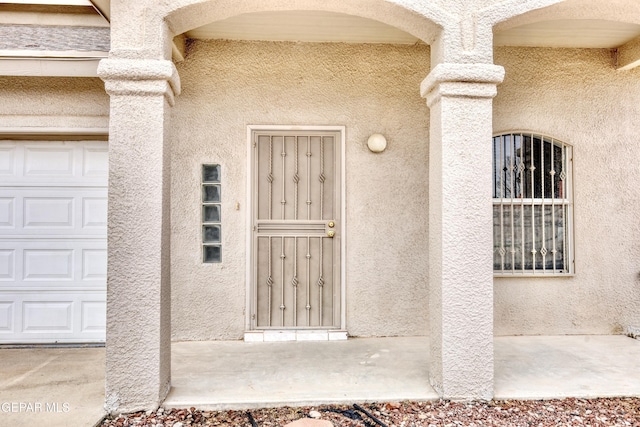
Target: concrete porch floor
x=217 y=375
x=229 y=375
x=225 y=375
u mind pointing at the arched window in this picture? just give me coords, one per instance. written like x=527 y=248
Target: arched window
x=532 y=205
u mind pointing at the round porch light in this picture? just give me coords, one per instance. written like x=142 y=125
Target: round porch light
x=377 y=143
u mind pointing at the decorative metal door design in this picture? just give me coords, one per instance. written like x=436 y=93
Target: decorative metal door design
x=296 y=280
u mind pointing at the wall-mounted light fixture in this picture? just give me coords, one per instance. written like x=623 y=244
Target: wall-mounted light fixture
x=377 y=143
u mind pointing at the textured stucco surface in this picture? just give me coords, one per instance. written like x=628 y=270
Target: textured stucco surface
x=138 y=305
x=367 y=88
x=578 y=97
x=573 y=95
x=460 y=277
x=461 y=29
x=53 y=102
x=139 y=230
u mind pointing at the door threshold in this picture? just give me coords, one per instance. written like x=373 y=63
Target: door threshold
x=289 y=335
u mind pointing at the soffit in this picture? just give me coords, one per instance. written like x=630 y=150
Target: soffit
x=569 y=33
x=76 y=7
x=311 y=26
x=302 y=26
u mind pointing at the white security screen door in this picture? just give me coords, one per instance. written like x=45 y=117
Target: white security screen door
x=297 y=227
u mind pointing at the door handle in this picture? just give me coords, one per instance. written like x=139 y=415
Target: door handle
x=331 y=233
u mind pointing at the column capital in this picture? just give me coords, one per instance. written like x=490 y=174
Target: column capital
x=140 y=77
x=461 y=80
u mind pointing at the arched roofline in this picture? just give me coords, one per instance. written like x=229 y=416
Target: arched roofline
x=627 y=11
x=424 y=22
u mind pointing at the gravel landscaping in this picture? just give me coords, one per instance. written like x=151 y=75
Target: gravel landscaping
x=565 y=412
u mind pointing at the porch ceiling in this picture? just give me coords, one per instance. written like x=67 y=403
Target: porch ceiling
x=308 y=26
x=570 y=33
x=302 y=26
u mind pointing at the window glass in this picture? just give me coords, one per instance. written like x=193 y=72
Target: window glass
x=211 y=193
x=211 y=173
x=211 y=214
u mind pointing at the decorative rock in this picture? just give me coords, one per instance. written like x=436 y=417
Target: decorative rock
x=178 y=424
x=308 y=422
x=315 y=414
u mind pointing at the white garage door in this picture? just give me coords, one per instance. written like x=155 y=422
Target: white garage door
x=53 y=248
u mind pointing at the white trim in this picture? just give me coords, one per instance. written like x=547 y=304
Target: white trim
x=53 y=133
x=44 y=18
x=295 y=335
x=50 y=2
x=77 y=55
x=252 y=335
x=537 y=275
x=343 y=229
x=103 y=7
x=49 y=67
x=249 y=235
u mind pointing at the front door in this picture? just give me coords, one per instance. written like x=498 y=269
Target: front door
x=296 y=222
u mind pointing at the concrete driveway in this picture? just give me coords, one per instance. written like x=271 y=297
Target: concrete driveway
x=53 y=387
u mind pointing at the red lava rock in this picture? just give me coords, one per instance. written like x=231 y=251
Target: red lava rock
x=567 y=412
x=393 y=405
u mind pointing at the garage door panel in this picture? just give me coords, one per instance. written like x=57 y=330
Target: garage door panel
x=46 y=264
x=6 y=317
x=49 y=160
x=7 y=264
x=7 y=212
x=53 y=211
x=94 y=316
x=96 y=161
x=94 y=213
x=7 y=159
x=78 y=163
x=65 y=317
x=94 y=264
x=53 y=249
x=47 y=212
x=47 y=316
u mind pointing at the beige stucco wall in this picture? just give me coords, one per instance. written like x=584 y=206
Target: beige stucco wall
x=578 y=97
x=573 y=95
x=55 y=102
x=368 y=89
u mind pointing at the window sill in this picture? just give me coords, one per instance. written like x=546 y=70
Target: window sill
x=537 y=275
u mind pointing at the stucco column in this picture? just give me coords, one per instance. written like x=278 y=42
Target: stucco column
x=138 y=347
x=460 y=228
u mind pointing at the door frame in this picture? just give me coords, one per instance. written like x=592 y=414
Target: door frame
x=250 y=255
